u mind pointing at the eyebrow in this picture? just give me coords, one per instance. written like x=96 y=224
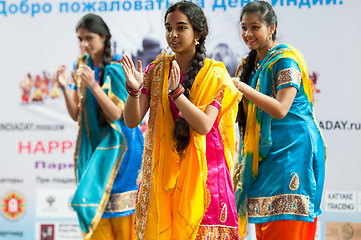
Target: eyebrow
x=250 y=23
x=178 y=23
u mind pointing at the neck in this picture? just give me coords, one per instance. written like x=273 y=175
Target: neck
x=263 y=52
x=97 y=59
x=184 y=61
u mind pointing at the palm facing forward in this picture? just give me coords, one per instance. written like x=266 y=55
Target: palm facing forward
x=134 y=77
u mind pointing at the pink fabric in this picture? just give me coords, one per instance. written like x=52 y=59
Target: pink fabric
x=219 y=180
x=219 y=183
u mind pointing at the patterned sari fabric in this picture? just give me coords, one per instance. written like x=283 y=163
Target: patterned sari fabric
x=289 y=153
x=107 y=158
x=174 y=195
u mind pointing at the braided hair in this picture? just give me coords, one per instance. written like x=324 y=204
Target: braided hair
x=267 y=15
x=195 y=15
x=95 y=24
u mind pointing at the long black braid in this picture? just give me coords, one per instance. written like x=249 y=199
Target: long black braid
x=95 y=24
x=267 y=15
x=181 y=132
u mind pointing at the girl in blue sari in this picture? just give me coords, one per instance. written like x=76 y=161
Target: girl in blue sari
x=107 y=153
x=280 y=175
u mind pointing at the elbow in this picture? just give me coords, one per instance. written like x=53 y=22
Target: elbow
x=74 y=117
x=280 y=114
x=115 y=117
x=129 y=123
x=204 y=130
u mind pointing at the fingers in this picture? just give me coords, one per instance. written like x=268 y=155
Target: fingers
x=139 y=65
x=127 y=61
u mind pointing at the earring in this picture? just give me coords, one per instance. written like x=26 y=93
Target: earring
x=196 y=42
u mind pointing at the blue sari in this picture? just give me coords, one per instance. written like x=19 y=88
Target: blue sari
x=107 y=158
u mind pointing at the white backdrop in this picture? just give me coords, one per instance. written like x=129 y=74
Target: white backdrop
x=37 y=137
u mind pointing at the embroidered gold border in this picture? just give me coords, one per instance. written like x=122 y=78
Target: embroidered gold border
x=289 y=75
x=144 y=193
x=121 y=202
x=216 y=232
x=281 y=204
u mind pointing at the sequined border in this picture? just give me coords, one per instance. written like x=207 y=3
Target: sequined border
x=121 y=202
x=289 y=75
x=280 y=204
x=144 y=194
x=216 y=232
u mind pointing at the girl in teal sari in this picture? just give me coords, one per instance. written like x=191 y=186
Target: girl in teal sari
x=107 y=153
x=280 y=175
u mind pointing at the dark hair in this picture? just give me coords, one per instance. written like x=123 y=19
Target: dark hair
x=95 y=24
x=267 y=15
x=196 y=17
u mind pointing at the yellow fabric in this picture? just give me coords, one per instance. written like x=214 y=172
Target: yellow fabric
x=120 y=228
x=178 y=196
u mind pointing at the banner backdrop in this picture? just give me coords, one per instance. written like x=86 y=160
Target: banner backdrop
x=37 y=136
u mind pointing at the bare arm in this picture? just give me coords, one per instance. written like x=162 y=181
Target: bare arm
x=135 y=107
x=277 y=107
x=200 y=121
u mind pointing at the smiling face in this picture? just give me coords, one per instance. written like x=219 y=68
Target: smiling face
x=179 y=33
x=255 y=33
x=91 y=43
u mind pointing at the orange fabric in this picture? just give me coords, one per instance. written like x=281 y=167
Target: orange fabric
x=120 y=228
x=286 y=230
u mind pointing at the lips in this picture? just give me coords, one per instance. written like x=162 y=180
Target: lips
x=251 y=41
x=174 y=43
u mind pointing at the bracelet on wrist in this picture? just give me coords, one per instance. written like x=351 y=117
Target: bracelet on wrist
x=132 y=92
x=175 y=93
x=64 y=88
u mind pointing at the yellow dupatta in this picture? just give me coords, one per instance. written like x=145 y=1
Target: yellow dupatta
x=173 y=196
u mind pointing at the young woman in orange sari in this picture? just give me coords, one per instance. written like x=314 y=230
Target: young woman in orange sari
x=186 y=190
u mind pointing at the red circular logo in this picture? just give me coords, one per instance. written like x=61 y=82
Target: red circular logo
x=13 y=205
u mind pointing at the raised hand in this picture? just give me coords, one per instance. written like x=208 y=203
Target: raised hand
x=61 y=77
x=174 y=76
x=86 y=74
x=134 y=76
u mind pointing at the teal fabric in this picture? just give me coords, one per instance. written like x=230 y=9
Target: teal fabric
x=109 y=156
x=289 y=146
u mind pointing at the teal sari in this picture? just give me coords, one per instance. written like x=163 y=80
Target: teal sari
x=100 y=150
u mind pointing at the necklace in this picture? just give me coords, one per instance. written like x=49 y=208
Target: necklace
x=257 y=62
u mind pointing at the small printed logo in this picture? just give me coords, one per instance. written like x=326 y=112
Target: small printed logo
x=50 y=200
x=47 y=231
x=13 y=205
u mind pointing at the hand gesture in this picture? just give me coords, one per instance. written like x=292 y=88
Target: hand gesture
x=86 y=74
x=61 y=77
x=134 y=77
x=174 y=76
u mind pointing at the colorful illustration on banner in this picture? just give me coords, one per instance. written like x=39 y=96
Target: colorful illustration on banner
x=37 y=90
x=313 y=78
x=13 y=205
x=47 y=231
